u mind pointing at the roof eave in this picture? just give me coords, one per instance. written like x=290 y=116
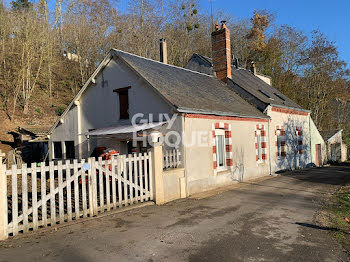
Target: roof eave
x=218 y=113
x=333 y=136
x=289 y=107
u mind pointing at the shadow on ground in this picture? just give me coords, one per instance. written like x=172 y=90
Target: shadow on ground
x=323 y=175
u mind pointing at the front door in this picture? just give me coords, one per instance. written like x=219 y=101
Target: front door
x=318 y=155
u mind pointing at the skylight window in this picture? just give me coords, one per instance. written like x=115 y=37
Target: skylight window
x=265 y=93
x=280 y=96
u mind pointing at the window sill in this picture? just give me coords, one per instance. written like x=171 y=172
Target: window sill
x=260 y=162
x=223 y=172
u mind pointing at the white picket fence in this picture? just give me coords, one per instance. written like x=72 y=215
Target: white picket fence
x=42 y=195
x=171 y=158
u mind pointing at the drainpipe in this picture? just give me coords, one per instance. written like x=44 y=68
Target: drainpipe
x=78 y=104
x=310 y=133
x=266 y=111
x=269 y=141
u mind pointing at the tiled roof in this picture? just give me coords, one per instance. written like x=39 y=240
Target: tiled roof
x=35 y=130
x=328 y=134
x=247 y=81
x=190 y=90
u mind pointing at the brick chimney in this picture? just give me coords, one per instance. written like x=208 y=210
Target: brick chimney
x=221 y=52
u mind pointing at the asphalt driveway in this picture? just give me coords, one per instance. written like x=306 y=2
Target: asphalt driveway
x=272 y=220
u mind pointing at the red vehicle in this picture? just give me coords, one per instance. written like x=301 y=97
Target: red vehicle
x=108 y=153
x=105 y=154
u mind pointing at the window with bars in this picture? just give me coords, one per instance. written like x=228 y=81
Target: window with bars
x=280 y=142
x=260 y=143
x=299 y=142
x=259 y=147
x=279 y=147
x=220 y=149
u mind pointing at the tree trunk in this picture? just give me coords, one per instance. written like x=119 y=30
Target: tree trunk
x=26 y=108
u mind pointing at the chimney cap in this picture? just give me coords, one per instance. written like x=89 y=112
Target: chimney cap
x=223 y=24
x=253 y=67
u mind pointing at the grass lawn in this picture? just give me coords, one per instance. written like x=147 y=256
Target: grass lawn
x=339 y=207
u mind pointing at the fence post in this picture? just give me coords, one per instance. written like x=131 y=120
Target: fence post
x=157 y=165
x=3 y=200
x=94 y=186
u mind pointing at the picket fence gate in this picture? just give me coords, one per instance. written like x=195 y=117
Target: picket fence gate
x=44 y=195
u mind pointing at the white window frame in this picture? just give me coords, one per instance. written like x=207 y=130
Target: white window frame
x=297 y=142
x=258 y=141
x=279 y=146
x=220 y=132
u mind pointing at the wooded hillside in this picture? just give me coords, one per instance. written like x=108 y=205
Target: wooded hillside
x=49 y=48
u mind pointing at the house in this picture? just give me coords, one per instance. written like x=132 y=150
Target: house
x=284 y=112
x=224 y=131
x=295 y=140
x=335 y=147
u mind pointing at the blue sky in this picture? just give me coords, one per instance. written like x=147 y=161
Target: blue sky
x=330 y=17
